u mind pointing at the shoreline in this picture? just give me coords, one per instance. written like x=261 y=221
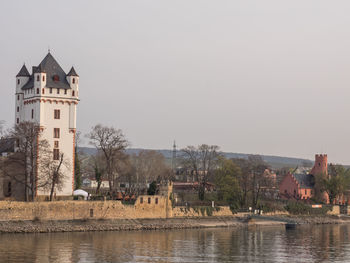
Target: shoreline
x=51 y=226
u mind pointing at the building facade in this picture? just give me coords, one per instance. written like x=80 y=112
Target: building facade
x=49 y=97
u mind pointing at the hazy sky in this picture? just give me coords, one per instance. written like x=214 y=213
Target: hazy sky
x=266 y=77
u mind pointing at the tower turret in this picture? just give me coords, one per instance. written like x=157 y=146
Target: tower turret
x=73 y=80
x=22 y=78
x=321 y=165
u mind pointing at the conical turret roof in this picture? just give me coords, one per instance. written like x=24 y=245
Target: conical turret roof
x=23 y=72
x=72 y=72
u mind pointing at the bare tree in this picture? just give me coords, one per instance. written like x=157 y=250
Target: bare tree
x=110 y=142
x=55 y=175
x=149 y=166
x=202 y=160
x=22 y=165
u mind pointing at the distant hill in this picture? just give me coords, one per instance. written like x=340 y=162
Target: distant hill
x=276 y=162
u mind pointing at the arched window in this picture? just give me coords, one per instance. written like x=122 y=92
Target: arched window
x=73 y=94
x=17 y=97
x=73 y=80
x=17 y=120
x=37 y=91
x=17 y=109
x=43 y=78
x=18 y=81
x=43 y=91
x=32 y=114
x=38 y=78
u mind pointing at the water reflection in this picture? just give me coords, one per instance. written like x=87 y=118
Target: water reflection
x=329 y=243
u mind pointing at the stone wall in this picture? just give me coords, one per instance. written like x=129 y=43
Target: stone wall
x=68 y=210
x=183 y=211
x=145 y=207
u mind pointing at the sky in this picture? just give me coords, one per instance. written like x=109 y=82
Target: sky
x=261 y=77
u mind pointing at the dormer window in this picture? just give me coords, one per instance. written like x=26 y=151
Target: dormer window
x=73 y=80
x=56 y=78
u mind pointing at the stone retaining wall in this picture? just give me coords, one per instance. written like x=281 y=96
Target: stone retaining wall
x=145 y=207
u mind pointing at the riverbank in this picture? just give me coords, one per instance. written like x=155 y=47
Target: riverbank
x=46 y=226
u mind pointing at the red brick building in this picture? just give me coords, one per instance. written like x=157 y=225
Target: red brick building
x=301 y=186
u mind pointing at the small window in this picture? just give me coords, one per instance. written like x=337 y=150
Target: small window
x=57 y=114
x=43 y=91
x=73 y=80
x=149 y=200
x=32 y=114
x=18 y=81
x=141 y=200
x=58 y=91
x=56 y=132
x=37 y=91
x=56 y=144
x=17 y=109
x=17 y=120
x=43 y=78
x=65 y=92
x=73 y=94
x=17 y=97
x=156 y=200
x=50 y=90
x=56 y=154
x=38 y=78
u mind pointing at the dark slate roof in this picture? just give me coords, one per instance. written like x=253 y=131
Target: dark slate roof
x=50 y=66
x=305 y=180
x=72 y=72
x=7 y=145
x=23 y=72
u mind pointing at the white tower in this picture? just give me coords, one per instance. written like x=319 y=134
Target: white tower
x=49 y=97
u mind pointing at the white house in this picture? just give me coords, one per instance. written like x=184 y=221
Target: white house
x=49 y=97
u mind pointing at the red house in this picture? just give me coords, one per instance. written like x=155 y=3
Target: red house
x=301 y=186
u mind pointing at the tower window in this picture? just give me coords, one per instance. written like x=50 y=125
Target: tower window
x=58 y=91
x=32 y=114
x=38 y=78
x=43 y=78
x=73 y=80
x=50 y=90
x=73 y=94
x=17 y=109
x=65 y=92
x=17 y=120
x=56 y=132
x=37 y=91
x=18 y=81
x=17 y=97
x=56 y=154
x=43 y=91
x=57 y=114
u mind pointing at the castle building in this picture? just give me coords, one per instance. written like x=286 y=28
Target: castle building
x=301 y=186
x=49 y=97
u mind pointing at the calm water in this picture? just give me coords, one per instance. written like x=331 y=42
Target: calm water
x=262 y=244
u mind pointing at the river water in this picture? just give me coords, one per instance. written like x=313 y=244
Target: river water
x=326 y=243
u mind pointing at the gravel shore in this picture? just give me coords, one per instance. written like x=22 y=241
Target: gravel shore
x=46 y=226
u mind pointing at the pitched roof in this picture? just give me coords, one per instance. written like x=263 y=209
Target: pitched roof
x=72 y=72
x=305 y=180
x=52 y=69
x=23 y=72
